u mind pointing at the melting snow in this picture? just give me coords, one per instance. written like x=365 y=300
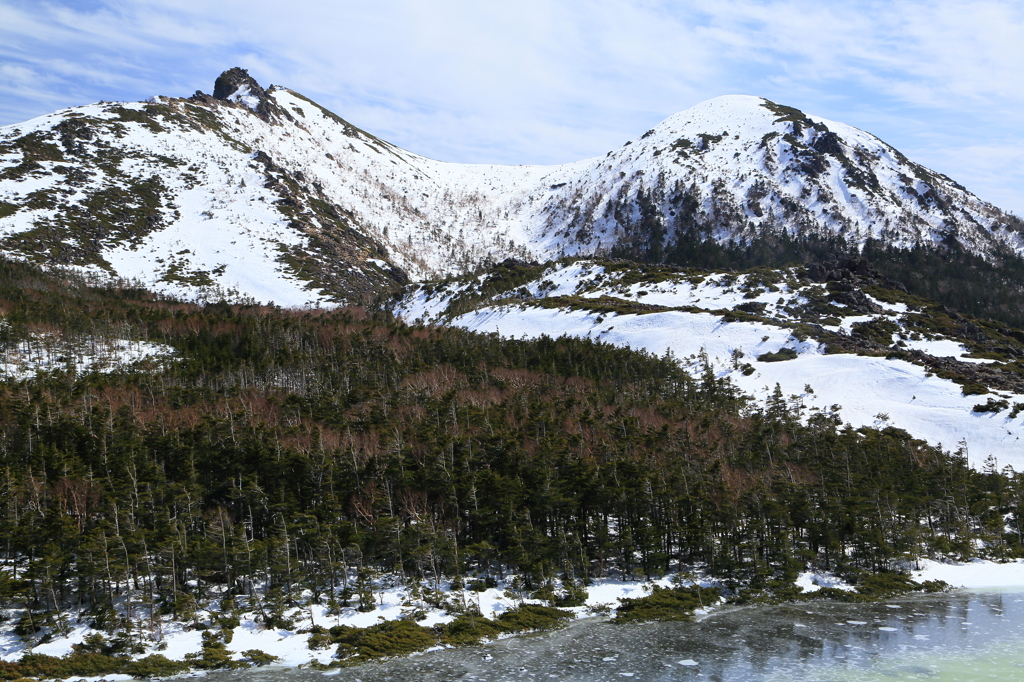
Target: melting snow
x=868 y=390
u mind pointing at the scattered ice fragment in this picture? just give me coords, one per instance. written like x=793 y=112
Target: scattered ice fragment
x=799 y=625
x=857 y=622
x=609 y=658
x=887 y=629
x=626 y=674
x=689 y=661
x=892 y=606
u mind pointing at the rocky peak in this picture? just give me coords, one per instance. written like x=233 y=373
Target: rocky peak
x=236 y=85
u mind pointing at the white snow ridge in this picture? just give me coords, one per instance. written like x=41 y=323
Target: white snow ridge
x=299 y=207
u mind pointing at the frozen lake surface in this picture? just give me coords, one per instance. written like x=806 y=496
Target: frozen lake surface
x=966 y=635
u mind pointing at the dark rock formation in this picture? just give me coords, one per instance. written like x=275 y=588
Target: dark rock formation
x=233 y=80
x=236 y=82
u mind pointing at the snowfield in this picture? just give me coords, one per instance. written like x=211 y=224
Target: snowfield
x=45 y=353
x=975 y=574
x=865 y=390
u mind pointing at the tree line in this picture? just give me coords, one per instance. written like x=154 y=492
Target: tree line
x=304 y=452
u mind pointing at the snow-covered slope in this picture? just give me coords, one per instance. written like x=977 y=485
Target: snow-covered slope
x=732 y=166
x=887 y=361
x=264 y=194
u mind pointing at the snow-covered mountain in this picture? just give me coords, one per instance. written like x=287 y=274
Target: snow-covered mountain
x=851 y=350
x=265 y=195
x=268 y=195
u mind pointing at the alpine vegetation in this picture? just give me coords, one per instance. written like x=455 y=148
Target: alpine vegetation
x=859 y=347
x=302 y=471
x=275 y=390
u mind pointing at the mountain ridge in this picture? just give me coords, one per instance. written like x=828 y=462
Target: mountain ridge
x=501 y=437
x=308 y=209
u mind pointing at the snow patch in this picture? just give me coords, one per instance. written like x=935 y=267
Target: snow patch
x=975 y=574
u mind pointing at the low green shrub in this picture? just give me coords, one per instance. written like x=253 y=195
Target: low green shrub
x=470 y=630
x=214 y=655
x=80 y=665
x=666 y=604
x=320 y=640
x=876 y=586
x=973 y=388
x=154 y=665
x=390 y=638
x=85 y=664
x=781 y=355
x=257 y=657
x=884 y=585
x=533 y=617
x=992 y=405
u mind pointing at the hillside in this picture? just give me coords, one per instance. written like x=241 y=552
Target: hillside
x=263 y=194
x=853 y=348
x=272 y=386
x=266 y=475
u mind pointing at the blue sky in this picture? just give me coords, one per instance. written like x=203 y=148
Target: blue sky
x=540 y=81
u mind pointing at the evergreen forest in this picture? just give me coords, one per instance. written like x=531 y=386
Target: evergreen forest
x=279 y=453
x=948 y=273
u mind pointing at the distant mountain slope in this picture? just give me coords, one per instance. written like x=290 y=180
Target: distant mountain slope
x=734 y=166
x=266 y=194
x=869 y=355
